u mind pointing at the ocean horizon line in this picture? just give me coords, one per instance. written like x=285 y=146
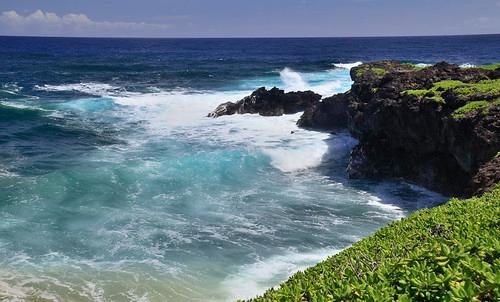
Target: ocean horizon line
x=254 y=37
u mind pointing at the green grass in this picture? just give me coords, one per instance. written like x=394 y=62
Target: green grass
x=380 y=72
x=487 y=87
x=429 y=94
x=463 y=90
x=481 y=106
x=447 y=253
x=490 y=67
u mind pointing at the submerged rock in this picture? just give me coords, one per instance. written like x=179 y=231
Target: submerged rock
x=273 y=102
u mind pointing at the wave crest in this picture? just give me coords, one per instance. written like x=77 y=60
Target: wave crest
x=325 y=83
x=347 y=65
x=98 y=89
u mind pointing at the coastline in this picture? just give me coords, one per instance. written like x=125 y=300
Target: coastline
x=431 y=104
x=435 y=125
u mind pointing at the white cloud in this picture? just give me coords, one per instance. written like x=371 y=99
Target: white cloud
x=50 y=24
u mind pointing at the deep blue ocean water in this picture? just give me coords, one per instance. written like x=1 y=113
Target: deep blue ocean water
x=115 y=186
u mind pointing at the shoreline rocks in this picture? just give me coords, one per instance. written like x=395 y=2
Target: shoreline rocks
x=273 y=102
x=438 y=126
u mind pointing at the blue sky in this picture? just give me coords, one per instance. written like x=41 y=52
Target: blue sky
x=248 y=18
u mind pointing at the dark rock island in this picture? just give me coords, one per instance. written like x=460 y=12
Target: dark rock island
x=438 y=126
x=272 y=102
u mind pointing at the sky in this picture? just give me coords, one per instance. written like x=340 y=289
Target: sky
x=248 y=18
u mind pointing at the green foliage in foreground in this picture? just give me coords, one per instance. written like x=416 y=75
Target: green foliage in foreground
x=448 y=253
x=464 y=90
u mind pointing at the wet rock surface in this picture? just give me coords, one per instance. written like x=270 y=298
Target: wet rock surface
x=273 y=102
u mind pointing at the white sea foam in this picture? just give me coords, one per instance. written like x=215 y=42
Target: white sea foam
x=99 y=89
x=423 y=65
x=289 y=147
x=5 y=173
x=467 y=65
x=347 y=65
x=16 y=105
x=295 y=81
x=386 y=207
x=255 y=278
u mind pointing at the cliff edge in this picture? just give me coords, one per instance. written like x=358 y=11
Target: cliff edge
x=438 y=126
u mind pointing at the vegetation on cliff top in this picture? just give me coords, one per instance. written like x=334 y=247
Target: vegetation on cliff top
x=481 y=106
x=448 y=253
x=424 y=66
x=377 y=71
x=490 y=67
x=463 y=90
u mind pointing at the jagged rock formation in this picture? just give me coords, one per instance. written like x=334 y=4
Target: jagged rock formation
x=271 y=102
x=330 y=112
x=438 y=126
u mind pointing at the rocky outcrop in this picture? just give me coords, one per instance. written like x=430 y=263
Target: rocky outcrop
x=438 y=126
x=271 y=102
x=330 y=112
x=487 y=177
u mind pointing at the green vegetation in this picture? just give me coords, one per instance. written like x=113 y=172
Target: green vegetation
x=481 y=106
x=430 y=94
x=487 y=87
x=448 y=253
x=362 y=69
x=418 y=68
x=490 y=67
x=461 y=89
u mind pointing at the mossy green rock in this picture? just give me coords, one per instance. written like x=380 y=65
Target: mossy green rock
x=465 y=91
x=437 y=126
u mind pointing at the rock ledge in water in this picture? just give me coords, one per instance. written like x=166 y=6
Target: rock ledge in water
x=273 y=102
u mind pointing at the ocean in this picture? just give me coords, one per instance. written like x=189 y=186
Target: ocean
x=115 y=186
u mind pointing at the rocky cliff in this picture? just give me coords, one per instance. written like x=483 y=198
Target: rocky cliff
x=438 y=126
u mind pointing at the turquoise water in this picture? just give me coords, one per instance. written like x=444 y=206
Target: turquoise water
x=115 y=186
x=139 y=196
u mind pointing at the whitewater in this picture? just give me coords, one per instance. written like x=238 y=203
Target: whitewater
x=147 y=199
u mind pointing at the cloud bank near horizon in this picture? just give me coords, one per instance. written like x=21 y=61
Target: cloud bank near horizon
x=41 y=23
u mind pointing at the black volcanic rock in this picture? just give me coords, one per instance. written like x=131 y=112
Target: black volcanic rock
x=438 y=126
x=330 y=112
x=271 y=102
